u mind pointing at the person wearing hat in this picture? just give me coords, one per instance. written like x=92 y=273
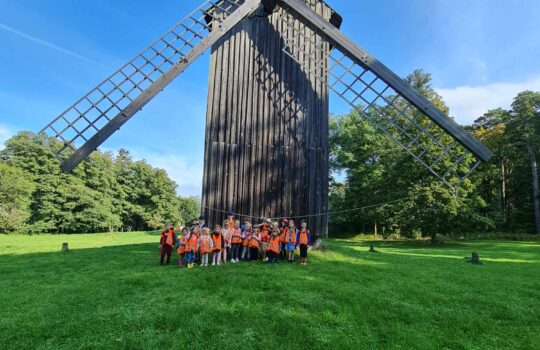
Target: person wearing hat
x=202 y=221
x=230 y=217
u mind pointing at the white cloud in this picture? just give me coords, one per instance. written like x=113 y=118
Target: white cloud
x=5 y=134
x=468 y=103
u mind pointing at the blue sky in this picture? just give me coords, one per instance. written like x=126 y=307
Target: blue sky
x=480 y=53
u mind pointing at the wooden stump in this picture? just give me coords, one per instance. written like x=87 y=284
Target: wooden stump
x=317 y=245
x=475 y=258
x=65 y=248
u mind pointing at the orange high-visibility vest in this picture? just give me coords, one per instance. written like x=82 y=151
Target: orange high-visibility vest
x=236 y=236
x=217 y=242
x=304 y=238
x=227 y=236
x=170 y=237
x=273 y=244
x=182 y=246
x=282 y=235
x=205 y=245
x=290 y=236
x=253 y=242
x=264 y=234
x=191 y=244
x=246 y=240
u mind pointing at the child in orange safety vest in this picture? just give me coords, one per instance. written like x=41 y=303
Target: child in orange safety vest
x=303 y=239
x=182 y=246
x=205 y=246
x=246 y=237
x=273 y=246
x=265 y=234
x=236 y=241
x=289 y=240
x=217 y=245
x=254 y=244
x=227 y=237
x=192 y=246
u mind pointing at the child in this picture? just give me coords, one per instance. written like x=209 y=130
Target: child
x=265 y=233
x=236 y=241
x=217 y=241
x=273 y=246
x=227 y=236
x=192 y=246
x=205 y=246
x=182 y=246
x=304 y=241
x=166 y=243
x=254 y=245
x=230 y=217
x=246 y=237
x=290 y=240
x=283 y=231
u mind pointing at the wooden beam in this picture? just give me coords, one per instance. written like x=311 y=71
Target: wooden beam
x=367 y=61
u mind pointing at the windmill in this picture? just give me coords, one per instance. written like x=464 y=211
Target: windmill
x=272 y=66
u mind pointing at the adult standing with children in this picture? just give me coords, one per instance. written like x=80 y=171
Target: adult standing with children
x=166 y=243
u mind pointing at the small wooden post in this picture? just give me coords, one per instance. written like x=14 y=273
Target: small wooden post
x=65 y=248
x=475 y=258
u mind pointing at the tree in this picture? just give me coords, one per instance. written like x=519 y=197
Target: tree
x=378 y=171
x=525 y=126
x=101 y=194
x=15 y=190
x=189 y=208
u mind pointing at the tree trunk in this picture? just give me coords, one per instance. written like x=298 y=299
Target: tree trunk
x=504 y=199
x=536 y=189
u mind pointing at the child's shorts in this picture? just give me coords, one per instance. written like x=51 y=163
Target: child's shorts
x=289 y=247
x=303 y=250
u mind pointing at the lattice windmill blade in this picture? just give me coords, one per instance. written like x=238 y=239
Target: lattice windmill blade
x=97 y=115
x=435 y=140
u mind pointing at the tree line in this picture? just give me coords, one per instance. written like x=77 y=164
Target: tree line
x=105 y=193
x=113 y=192
x=501 y=195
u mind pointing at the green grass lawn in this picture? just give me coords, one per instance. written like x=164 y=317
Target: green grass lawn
x=109 y=292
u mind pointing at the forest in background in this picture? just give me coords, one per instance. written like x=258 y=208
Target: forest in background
x=105 y=193
x=499 y=196
x=115 y=193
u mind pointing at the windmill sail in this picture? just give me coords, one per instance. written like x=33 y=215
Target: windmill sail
x=383 y=98
x=390 y=103
x=97 y=115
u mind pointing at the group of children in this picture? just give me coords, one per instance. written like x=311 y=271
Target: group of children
x=232 y=242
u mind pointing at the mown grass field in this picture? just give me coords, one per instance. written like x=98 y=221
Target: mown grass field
x=110 y=292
